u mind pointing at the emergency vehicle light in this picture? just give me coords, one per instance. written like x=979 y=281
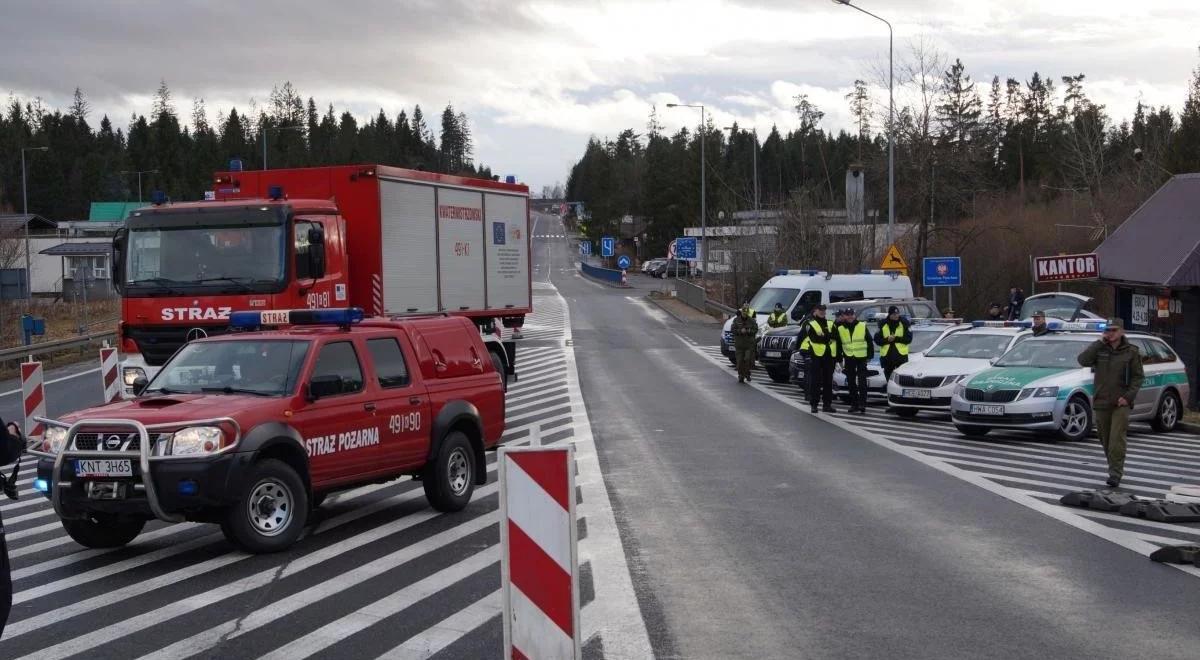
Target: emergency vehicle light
x=337 y=316
x=877 y=271
x=41 y=485
x=1002 y=324
x=1078 y=326
x=801 y=271
x=275 y=192
x=158 y=198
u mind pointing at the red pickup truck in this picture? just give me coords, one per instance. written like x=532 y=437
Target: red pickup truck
x=254 y=428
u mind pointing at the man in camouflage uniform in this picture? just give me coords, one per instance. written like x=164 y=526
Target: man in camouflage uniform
x=745 y=341
x=1117 y=368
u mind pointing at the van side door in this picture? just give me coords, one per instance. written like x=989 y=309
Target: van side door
x=403 y=405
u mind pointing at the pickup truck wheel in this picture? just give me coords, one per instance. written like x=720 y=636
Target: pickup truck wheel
x=499 y=364
x=104 y=531
x=450 y=479
x=270 y=512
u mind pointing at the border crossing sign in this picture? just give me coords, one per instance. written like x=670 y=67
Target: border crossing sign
x=607 y=246
x=941 y=271
x=685 y=248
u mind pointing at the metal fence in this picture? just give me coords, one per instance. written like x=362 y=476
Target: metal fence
x=606 y=274
x=694 y=296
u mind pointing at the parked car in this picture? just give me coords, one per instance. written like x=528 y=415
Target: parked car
x=928 y=383
x=672 y=268
x=651 y=265
x=925 y=333
x=1059 y=305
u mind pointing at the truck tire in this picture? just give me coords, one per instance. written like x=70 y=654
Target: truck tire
x=104 y=531
x=1167 y=415
x=778 y=375
x=498 y=363
x=271 y=510
x=449 y=479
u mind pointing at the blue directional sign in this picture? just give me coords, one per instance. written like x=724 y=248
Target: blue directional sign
x=623 y=262
x=685 y=249
x=942 y=271
x=585 y=248
x=608 y=245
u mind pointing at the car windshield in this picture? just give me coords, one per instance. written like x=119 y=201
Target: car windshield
x=974 y=346
x=764 y=301
x=265 y=367
x=922 y=339
x=220 y=254
x=1047 y=354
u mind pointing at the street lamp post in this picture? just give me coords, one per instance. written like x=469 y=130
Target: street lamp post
x=891 y=121
x=703 y=210
x=264 y=131
x=139 y=174
x=25 y=212
x=755 y=133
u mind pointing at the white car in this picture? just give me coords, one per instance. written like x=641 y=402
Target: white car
x=926 y=333
x=928 y=383
x=1039 y=386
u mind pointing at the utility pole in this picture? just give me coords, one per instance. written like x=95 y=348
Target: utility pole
x=25 y=212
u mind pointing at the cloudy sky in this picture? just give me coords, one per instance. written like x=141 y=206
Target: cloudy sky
x=538 y=77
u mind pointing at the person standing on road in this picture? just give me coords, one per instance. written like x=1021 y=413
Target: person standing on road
x=893 y=339
x=745 y=335
x=1117 y=376
x=818 y=340
x=778 y=317
x=856 y=349
x=1039 y=324
x=12 y=445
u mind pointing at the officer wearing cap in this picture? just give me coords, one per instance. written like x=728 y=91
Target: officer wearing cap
x=818 y=340
x=778 y=317
x=745 y=338
x=856 y=349
x=1039 y=324
x=893 y=339
x=1117 y=377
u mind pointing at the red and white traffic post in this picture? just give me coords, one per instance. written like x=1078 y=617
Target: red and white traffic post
x=33 y=397
x=108 y=374
x=539 y=553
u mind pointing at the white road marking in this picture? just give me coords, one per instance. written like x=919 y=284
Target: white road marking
x=54 y=380
x=447 y=631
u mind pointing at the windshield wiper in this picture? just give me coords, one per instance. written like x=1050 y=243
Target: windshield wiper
x=235 y=390
x=160 y=281
x=239 y=281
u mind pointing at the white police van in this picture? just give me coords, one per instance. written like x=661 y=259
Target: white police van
x=1039 y=386
x=799 y=291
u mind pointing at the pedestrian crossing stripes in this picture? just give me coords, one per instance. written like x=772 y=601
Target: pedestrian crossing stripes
x=1025 y=464
x=378 y=573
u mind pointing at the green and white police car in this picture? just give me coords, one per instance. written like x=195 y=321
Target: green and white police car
x=1038 y=385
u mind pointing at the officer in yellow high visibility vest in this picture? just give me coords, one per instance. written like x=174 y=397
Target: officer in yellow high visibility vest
x=778 y=317
x=856 y=350
x=818 y=340
x=893 y=339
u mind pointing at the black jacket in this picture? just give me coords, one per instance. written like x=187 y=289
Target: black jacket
x=11 y=447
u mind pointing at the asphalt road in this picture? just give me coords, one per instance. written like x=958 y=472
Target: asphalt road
x=757 y=530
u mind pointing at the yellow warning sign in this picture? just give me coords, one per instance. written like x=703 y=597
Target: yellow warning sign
x=893 y=260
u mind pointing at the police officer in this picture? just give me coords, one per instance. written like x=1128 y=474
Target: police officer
x=856 y=349
x=1117 y=377
x=1039 y=324
x=778 y=317
x=994 y=312
x=12 y=445
x=818 y=339
x=893 y=339
x=745 y=334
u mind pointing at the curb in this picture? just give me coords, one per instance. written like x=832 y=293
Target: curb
x=673 y=314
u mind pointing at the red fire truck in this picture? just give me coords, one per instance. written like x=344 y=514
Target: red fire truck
x=388 y=240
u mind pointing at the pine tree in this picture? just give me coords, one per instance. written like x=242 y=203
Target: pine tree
x=80 y=107
x=960 y=108
x=860 y=109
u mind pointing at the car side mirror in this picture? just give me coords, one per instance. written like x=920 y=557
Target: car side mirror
x=316 y=259
x=139 y=385
x=324 y=386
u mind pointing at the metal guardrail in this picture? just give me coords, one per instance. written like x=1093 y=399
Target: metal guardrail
x=42 y=348
x=694 y=296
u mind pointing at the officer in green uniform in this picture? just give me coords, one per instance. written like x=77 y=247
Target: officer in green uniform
x=745 y=336
x=893 y=339
x=1039 y=326
x=1117 y=377
x=778 y=317
x=818 y=340
x=856 y=349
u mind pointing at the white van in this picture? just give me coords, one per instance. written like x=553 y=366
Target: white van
x=801 y=290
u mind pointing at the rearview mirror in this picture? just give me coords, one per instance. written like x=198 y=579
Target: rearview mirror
x=139 y=385
x=323 y=386
x=316 y=260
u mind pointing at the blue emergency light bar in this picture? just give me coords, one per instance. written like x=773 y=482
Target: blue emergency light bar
x=1078 y=326
x=800 y=271
x=879 y=271
x=275 y=192
x=336 y=316
x=1002 y=324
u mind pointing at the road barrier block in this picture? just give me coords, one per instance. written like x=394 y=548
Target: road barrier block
x=539 y=553
x=33 y=397
x=108 y=375
x=1177 y=554
x=1097 y=500
x=1162 y=511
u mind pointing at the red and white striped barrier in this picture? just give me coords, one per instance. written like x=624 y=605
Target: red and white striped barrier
x=33 y=396
x=539 y=561
x=108 y=375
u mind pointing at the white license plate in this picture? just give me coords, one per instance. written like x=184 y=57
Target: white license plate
x=103 y=467
x=917 y=394
x=977 y=409
x=775 y=354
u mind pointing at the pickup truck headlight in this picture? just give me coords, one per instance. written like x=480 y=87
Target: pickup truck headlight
x=197 y=441
x=1038 y=393
x=54 y=439
x=130 y=374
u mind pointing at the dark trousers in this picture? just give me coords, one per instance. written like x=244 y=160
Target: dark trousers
x=891 y=362
x=5 y=581
x=745 y=359
x=820 y=380
x=1111 y=425
x=856 y=380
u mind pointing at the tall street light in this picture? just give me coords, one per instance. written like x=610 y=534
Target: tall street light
x=267 y=129
x=703 y=210
x=891 y=122
x=25 y=212
x=139 y=174
x=754 y=131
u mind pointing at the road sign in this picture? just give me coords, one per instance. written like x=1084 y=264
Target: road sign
x=607 y=246
x=623 y=262
x=893 y=260
x=941 y=271
x=685 y=248
x=585 y=248
x=1066 y=267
